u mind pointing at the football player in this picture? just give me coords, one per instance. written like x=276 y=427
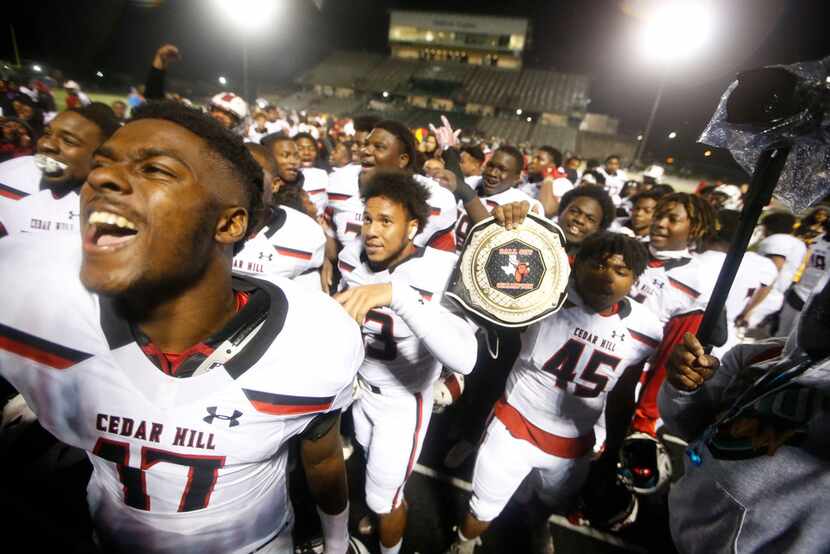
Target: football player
x=675 y=286
x=394 y=289
x=546 y=180
x=583 y=211
x=185 y=384
x=497 y=187
x=64 y=157
x=557 y=389
x=289 y=168
x=288 y=243
x=315 y=179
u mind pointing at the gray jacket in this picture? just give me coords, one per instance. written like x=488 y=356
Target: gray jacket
x=763 y=481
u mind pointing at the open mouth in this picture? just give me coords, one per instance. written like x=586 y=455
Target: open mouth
x=49 y=166
x=109 y=231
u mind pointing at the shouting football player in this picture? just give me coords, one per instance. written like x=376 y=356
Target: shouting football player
x=394 y=289
x=184 y=383
x=557 y=389
x=49 y=202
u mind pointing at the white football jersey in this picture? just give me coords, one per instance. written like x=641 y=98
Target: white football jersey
x=315 y=181
x=793 y=251
x=346 y=209
x=613 y=183
x=41 y=212
x=462 y=227
x=673 y=287
x=815 y=268
x=570 y=360
x=19 y=177
x=190 y=464
x=395 y=357
x=561 y=185
x=289 y=245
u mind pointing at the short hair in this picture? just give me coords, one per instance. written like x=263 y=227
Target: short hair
x=272 y=138
x=403 y=134
x=365 y=123
x=599 y=194
x=474 y=151
x=514 y=153
x=265 y=153
x=647 y=195
x=702 y=217
x=101 y=115
x=604 y=244
x=228 y=147
x=120 y=102
x=399 y=187
x=290 y=196
x=662 y=189
x=305 y=135
x=779 y=222
x=728 y=221
x=612 y=157
x=554 y=154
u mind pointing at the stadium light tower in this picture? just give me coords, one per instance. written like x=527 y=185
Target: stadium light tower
x=674 y=31
x=249 y=17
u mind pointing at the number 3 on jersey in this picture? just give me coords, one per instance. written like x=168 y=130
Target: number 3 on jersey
x=564 y=364
x=380 y=344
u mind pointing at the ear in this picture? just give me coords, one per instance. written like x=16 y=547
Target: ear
x=276 y=183
x=232 y=225
x=413 y=229
x=403 y=160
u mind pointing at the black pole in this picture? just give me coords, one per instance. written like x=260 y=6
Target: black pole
x=764 y=179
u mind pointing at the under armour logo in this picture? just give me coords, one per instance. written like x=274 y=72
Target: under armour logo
x=657 y=283
x=233 y=419
x=269 y=257
x=73 y=215
x=615 y=334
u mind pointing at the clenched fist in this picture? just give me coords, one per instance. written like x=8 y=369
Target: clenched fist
x=689 y=366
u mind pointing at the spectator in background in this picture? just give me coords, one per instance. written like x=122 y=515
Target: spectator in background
x=307 y=148
x=787 y=253
x=75 y=97
x=546 y=182
x=341 y=154
x=259 y=129
x=428 y=146
x=363 y=126
x=27 y=112
x=119 y=108
x=135 y=98
x=16 y=139
x=814 y=223
x=6 y=96
x=614 y=177
x=44 y=100
x=571 y=167
x=471 y=159
x=643 y=205
x=433 y=167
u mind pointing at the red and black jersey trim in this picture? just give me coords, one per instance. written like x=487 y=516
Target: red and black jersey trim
x=343 y=266
x=292 y=252
x=10 y=192
x=425 y=294
x=683 y=287
x=645 y=339
x=39 y=350
x=315 y=191
x=433 y=211
x=339 y=196
x=282 y=404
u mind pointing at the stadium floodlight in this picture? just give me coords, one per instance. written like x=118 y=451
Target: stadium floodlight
x=518 y=111
x=222 y=80
x=529 y=119
x=386 y=94
x=639 y=137
x=36 y=68
x=672 y=135
x=99 y=74
x=676 y=30
x=248 y=15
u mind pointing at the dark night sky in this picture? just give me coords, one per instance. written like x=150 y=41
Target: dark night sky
x=585 y=36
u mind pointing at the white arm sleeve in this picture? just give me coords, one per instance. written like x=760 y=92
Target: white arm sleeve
x=450 y=338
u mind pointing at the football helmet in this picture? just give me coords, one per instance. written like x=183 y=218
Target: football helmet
x=644 y=464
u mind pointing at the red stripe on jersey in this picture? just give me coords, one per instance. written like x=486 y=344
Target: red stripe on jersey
x=454 y=386
x=683 y=287
x=292 y=253
x=443 y=240
x=280 y=404
x=645 y=339
x=434 y=211
x=339 y=196
x=315 y=191
x=492 y=205
x=522 y=429
x=344 y=266
x=8 y=192
x=39 y=350
x=425 y=294
x=419 y=420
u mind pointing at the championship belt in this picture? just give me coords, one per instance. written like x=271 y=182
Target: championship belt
x=512 y=278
